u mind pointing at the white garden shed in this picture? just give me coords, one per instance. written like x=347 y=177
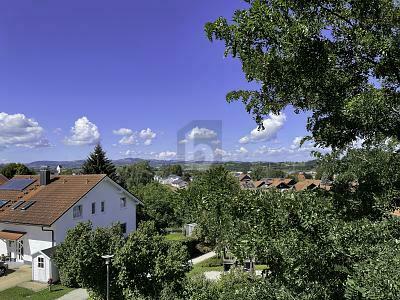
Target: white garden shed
x=43 y=267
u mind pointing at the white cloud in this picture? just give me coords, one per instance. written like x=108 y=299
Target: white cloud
x=201 y=134
x=123 y=131
x=20 y=131
x=267 y=150
x=130 y=137
x=271 y=127
x=128 y=140
x=57 y=131
x=166 y=155
x=221 y=152
x=296 y=142
x=243 y=150
x=184 y=141
x=216 y=142
x=84 y=132
x=147 y=134
x=130 y=153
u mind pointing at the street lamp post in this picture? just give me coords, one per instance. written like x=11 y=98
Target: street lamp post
x=108 y=261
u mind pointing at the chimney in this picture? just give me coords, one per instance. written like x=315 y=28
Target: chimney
x=44 y=175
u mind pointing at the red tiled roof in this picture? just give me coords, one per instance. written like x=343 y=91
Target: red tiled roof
x=3 y=179
x=244 y=177
x=11 y=235
x=52 y=200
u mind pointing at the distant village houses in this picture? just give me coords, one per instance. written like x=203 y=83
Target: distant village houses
x=173 y=181
x=282 y=184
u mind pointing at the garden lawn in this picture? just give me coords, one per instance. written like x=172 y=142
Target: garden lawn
x=19 y=293
x=175 y=236
x=214 y=264
x=211 y=264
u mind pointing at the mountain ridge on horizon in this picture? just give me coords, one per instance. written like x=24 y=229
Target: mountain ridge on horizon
x=76 y=164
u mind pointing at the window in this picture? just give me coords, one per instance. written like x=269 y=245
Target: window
x=123 y=227
x=77 y=211
x=102 y=208
x=40 y=263
x=93 y=208
x=123 y=202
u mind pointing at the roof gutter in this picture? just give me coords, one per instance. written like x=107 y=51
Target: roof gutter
x=52 y=235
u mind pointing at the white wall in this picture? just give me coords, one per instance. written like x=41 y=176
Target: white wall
x=34 y=240
x=110 y=194
x=49 y=270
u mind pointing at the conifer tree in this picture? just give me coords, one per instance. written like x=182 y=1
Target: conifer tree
x=98 y=163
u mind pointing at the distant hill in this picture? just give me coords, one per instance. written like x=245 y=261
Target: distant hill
x=193 y=165
x=77 y=164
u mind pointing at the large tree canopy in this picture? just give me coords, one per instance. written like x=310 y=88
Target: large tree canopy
x=12 y=169
x=338 y=59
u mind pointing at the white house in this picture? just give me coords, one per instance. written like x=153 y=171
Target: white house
x=172 y=180
x=37 y=211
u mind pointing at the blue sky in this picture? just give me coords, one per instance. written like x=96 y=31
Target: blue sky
x=130 y=74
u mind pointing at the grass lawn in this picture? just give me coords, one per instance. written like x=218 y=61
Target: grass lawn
x=211 y=264
x=175 y=236
x=18 y=293
x=214 y=264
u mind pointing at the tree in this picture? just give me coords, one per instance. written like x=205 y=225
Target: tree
x=159 y=204
x=142 y=266
x=12 y=169
x=338 y=59
x=175 y=169
x=136 y=175
x=367 y=180
x=79 y=261
x=147 y=263
x=98 y=163
x=312 y=252
x=206 y=202
x=259 y=171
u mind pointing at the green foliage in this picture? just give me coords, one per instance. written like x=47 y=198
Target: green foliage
x=206 y=202
x=143 y=264
x=79 y=260
x=98 y=163
x=310 y=249
x=174 y=169
x=235 y=285
x=377 y=276
x=148 y=263
x=367 y=180
x=159 y=204
x=259 y=171
x=323 y=57
x=136 y=175
x=12 y=169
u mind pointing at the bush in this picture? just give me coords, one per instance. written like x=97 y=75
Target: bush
x=79 y=260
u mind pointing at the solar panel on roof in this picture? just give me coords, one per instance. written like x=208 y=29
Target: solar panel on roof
x=27 y=205
x=16 y=184
x=17 y=204
x=3 y=202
